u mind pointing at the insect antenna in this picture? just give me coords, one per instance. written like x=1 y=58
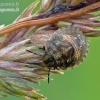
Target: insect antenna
x=29 y=51
x=48 y=75
x=34 y=53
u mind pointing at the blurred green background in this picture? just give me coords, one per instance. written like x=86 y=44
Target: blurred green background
x=80 y=83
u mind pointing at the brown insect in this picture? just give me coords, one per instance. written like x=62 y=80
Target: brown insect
x=66 y=6
x=66 y=48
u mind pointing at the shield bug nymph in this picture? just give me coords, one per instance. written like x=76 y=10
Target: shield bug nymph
x=66 y=48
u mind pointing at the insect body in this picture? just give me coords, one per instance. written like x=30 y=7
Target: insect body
x=61 y=7
x=66 y=48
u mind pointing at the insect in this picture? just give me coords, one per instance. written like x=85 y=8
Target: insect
x=61 y=7
x=68 y=6
x=66 y=48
